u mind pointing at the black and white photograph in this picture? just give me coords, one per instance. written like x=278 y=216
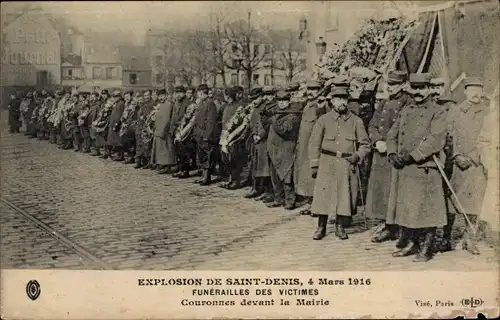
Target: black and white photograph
x=323 y=136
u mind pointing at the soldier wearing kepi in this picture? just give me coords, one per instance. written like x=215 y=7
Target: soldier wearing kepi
x=95 y=107
x=379 y=184
x=141 y=156
x=338 y=143
x=417 y=136
x=204 y=133
x=163 y=148
x=465 y=122
x=184 y=149
x=14 y=113
x=113 y=141
x=303 y=181
x=283 y=132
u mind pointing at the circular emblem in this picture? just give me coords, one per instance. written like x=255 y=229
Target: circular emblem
x=33 y=289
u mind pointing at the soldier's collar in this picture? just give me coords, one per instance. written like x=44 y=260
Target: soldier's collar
x=344 y=116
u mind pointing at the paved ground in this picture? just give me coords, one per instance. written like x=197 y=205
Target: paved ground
x=136 y=219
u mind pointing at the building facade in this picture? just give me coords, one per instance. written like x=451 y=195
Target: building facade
x=136 y=71
x=102 y=65
x=31 y=52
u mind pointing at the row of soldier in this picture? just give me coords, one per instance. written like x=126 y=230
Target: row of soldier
x=412 y=160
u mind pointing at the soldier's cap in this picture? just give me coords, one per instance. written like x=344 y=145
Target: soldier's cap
x=203 y=87
x=179 y=89
x=339 y=92
x=238 y=89
x=60 y=91
x=396 y=77
x=105 y=92
x=130 y=92
x=293 y=87
x=341 y=81
x=116 y=93
x=473 y=81
x=162 y=91
x=437 y=82
x=419 y=79
x=268 y=90
x=231 y=92
x=313 y=84
x=95 y=93
x=255 y=92
x=366 y=95
x=283 y=95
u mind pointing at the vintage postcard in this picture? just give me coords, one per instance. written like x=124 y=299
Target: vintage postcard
x=249 y=159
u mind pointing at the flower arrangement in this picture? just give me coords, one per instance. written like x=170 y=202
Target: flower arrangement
x=101 y=123
x=238 y=124
x=128 y=117
x=56 y=115
x=187 y=122
x=149 y=125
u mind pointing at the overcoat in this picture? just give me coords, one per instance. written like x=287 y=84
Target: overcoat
x=281 y=142
x=95 y=107
x=114 y=139
x=163 y=146
x=140 y=147
x=302 y=179
x=465 y=122
x=205 y=122
x=336 y=185
x=379 y=184
x=418 y=198
x=178 y=113
x=15 y=112
x=259 y=126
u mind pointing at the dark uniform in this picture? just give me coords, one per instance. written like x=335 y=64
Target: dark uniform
x=15 y=114
x=184 y=149
x=204 y=134
x=141 y=150
x=113 y=141
x=379 y=184
x=281 y=142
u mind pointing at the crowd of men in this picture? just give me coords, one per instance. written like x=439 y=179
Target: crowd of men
x=413 y=159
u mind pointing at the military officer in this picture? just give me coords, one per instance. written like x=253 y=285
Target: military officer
x=379 y=184
x=418 y=134
x=204 y=133
x=14 y=113
x=95 y=107
x=303 y=181
x=141 y=155
x=54 y=130
x=163 y=149
x=185 y=148
x=281 y=142
x=465 y=122
x=338 y=144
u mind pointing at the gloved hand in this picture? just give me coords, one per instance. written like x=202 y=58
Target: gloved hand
x=381 y=146
x=314 y=172
x=405 y=158
x=353 y=159
x=462 y=162
x=395 y=161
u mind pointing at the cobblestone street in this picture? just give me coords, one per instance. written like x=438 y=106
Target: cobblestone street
x=137 y=219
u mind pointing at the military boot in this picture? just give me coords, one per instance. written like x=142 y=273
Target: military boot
x=408 y=242
x=183 y=175
x=207 y=178
x=425 y=253
x=386 y=234
x=321 y=231
x=469 y=244
x=340 y=228
x=445 y=244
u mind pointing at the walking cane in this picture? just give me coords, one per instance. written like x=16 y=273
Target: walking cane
x=460 y=207
x=361 y=196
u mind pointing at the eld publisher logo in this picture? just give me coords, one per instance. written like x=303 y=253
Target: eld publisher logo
x=472 y=302
x=33 y=289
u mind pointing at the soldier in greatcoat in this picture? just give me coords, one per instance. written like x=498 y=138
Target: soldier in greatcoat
x=69 y=122
x=163 y=148
x=204 y=133
x=30 y=107
x=127 y=124
x=468 y=180
x=281 y=142
x=54 y=128
x=141 y=155
x=303 y=181
x=14 y=113
x=338 y=144
x=379 y=184
x=185 y=148
x=84 y=124
x=259 y=126
x=113 y=140
x=417 y=137
x=95 y=107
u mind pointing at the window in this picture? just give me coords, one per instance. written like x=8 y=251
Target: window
x=111 y=73
x=159 y=78
x=267 y=49
x=70 y=73
x=96 y=73
x=267 y=80
x=132 y=78
x=234 y=47
x=236 y=63
x=244 y=80
x=42 y=77
x=234 y=79
x=255 y=80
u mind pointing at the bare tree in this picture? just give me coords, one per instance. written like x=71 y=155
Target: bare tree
x=219 y=49
x=290 y=58
x=245 y=36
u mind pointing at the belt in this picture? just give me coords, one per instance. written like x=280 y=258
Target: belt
x=337 y=154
